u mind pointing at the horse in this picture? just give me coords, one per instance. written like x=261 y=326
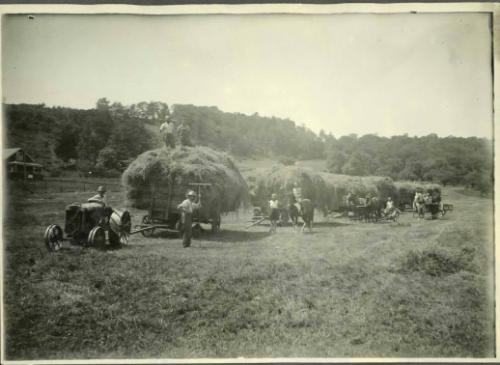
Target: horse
x=375 y=208
x=306 y=213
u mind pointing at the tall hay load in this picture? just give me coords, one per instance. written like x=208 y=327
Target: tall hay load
x=168 y=172
x=327 y=191
x=280 y=180
x=340 y=185
x=407 y=190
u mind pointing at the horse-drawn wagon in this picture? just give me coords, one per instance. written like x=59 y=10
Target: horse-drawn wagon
x=430 y=202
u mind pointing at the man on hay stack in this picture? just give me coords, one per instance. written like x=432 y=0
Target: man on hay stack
x=187 y=207
x=167 y=131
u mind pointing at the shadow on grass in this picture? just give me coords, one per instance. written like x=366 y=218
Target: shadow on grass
x=233 y=236
x=331 y=224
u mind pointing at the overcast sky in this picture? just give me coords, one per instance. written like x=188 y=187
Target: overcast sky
x=384 y=74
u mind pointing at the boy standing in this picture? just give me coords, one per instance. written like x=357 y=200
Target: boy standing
x=274 y=213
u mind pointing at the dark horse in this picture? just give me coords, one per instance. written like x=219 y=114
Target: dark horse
x=306 y=213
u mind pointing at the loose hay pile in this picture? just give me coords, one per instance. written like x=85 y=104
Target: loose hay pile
x=407 y=190
x=340 y=185
x=280 y=179
x=326 y=191
x=167 y=172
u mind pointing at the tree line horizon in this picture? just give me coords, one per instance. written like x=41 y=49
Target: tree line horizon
x=105 y=139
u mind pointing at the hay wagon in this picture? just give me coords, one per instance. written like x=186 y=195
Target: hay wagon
x=90 y=224
x=164 y=215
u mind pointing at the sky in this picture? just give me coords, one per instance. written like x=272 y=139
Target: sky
x=386 y=74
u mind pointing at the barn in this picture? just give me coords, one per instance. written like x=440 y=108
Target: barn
x=20 y=165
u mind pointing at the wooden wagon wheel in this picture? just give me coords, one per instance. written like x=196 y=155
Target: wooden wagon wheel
x=117 y=240
x=216 y=224
x=97 y=237
x=147 y=220
x=196 y=229
x=53 y=237
x=179 y=227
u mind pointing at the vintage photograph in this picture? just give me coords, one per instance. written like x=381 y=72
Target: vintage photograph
x=256 y=185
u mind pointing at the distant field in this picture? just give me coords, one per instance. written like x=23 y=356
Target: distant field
x=246 y=165
x=417 y=288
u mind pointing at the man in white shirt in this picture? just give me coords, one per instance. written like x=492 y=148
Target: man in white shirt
x=389 y=207
x=274 y=214
x=167 y=130
x=186 y=208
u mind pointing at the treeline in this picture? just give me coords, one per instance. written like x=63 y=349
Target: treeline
x=106 y=138
x=101 y=140
x=448 y=161
x=249 y=136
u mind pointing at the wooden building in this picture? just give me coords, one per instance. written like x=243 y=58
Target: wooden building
x=20 y=165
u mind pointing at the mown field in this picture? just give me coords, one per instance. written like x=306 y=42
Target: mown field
x=417 y=288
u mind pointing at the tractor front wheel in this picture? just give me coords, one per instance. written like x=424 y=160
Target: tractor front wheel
x=53 y=237
x=97 y=238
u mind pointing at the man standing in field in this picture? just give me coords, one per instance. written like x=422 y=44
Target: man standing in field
x=297 y=195
x=187 y=207
x=99 y=197
x=274 y=214
x=167 y=131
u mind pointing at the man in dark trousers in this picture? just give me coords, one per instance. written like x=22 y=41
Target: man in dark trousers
x=184 y=133
x=187 y=207
x=167 y=131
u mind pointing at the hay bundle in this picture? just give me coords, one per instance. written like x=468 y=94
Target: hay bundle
x=327 y=191
x=407 y=190
x=340 y=185
x=280 y=180
x=168 y=172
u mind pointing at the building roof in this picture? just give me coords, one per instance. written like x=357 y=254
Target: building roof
x=24 y=164
x=8 y=152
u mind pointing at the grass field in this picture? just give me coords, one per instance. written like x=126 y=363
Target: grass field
x=417 y=288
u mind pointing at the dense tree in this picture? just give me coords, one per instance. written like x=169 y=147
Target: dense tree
x=108 y=136
x=450 y=160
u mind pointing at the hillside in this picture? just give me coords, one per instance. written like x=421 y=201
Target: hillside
x=106 y=138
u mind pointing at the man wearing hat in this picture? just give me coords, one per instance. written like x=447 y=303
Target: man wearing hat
x=186 y=208
x=167 y=130
x=99 y=198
